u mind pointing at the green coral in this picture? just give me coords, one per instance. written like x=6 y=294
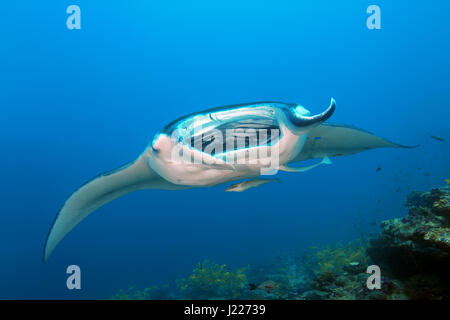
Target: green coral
x=332 y=259
x=338 y=271
x=207 y=281
x=134 y=294
x=213 y=281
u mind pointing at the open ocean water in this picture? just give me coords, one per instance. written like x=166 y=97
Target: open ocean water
x=76 y=103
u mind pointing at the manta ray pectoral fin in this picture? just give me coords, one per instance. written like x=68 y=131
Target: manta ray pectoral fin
x=99 y=191
x=286 y=168
x=341 y=140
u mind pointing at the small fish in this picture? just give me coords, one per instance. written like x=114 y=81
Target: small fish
x=373 y=223
x=426 y=174
x=447 y=180
x=268 y=286
x=438 y=138
x=378 y=169
x=245 y=185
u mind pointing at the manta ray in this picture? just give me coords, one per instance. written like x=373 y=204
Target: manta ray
x=217 y=146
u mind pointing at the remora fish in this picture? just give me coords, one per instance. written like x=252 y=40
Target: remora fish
x=155 y=168
x=245 y=185
x=325 y=160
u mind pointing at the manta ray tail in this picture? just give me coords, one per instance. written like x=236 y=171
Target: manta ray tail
x=94 y=194
x=326 y=160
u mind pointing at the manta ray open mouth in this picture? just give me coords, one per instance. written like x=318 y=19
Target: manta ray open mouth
x=227 y=129
x=242 y=134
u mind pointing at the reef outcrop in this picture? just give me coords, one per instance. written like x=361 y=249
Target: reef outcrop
x=413 y=253
x=415 y=250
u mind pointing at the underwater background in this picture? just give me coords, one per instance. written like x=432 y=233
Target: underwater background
x=76 y=103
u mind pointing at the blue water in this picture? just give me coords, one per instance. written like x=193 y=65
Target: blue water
x=76 y=103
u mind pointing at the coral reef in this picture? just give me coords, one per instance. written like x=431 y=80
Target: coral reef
x=415 y=250
x=150 y=293
x=335 y=258
x=338 y=271
x=213 y=281
x=282 y=277
x=412 y=252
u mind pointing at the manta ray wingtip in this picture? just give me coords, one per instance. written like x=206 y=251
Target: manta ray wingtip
x=46 y=253
x=45 y=257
